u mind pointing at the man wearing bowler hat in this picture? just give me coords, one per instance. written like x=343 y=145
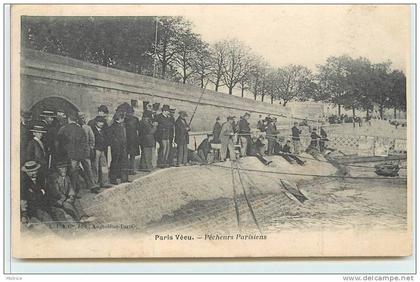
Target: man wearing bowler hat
x=182 y=138
x=102 y=112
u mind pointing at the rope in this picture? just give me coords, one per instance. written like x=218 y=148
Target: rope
x=310 y=175
x=251 y=210
x=235 y=200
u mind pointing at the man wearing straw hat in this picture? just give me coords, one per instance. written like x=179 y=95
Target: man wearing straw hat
x=33 y=195
x=35 y=149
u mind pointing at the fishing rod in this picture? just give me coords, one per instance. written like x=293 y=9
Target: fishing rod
x=196 y=105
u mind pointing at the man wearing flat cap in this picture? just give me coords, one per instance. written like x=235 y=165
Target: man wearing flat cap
x=182 y=138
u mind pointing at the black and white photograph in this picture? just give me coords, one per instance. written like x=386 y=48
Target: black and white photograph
x=211 y=131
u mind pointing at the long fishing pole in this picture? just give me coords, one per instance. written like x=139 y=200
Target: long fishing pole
x=198 y=103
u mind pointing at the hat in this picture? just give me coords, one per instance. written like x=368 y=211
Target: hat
x=103 y=108
x=165 y=108
x=81 y=114
x=47 y=114
x=183 y=114
x=230 y=117
x=31 y=166
x=62 y=164
x=247 y=114
x=172 y=110
x=147 y=114
x=313 y=129
x=26 y=114
x=118 y=115
x=218 y=118
x=38 y=128
x=156 y=106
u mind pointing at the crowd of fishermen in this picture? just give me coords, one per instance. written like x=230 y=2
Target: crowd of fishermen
x=64 y=153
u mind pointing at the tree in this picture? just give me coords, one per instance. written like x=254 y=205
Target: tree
x=202 y=64
x=218 y=58
x=257 y=77
x=236 y=64
x=398 y=99
x=292 y=82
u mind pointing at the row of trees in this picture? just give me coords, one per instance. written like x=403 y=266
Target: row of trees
x=168 y=48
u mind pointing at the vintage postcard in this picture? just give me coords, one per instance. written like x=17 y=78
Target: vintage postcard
x=150 y=131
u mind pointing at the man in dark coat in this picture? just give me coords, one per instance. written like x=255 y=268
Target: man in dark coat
x=172 y=150
x=162 y=135
x=314 y=139
x=100 y=163
x=132 y=127
x=49 y=139
x=34 y=206
x=296 y=138
x=102 y=112
x=25 y=133
x=217 y=128
x=271 y=135
x=62 y=195
x=147 y=140
x=119 y=158
x=244 y=133
x=260 y=124
x=204 y=148
x=35 y=149
x=73 y=139
x=182 y=138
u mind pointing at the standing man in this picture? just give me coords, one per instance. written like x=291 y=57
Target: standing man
x=182 y=138
x=35 y=150
x=119 y=158
x=50 y=137
x=162 y=135
x=172 y=150
x=147 y=131
x=314 y=139
x=226 y=138
x=296 y=138
x=81 y=120
x=132 y=126
x=100 y=164
x=260 y=124
x=244 y=133
x=217 y=128
x=25 y=133
x=271 y=135
x=73 y=139
x=102 y=112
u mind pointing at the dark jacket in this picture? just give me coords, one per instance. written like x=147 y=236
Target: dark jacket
x=181 y=131
x=324 y=136
x=287 y=149
x=261 y=125
x=34 y=195
x=25 y=136
x=205 y=146
x=132 y=128
x=278 y=148
x=59 y=189
x=117 y=136
x=314 y=140
x=172 y=129
x=164 y=127
x=296 y=133
x=35 y=151
x=271 y=130
x=216 y=132
x=50 y=137
x=147 y=133
x=101 y=140
x=73 y=139
x=244 y=126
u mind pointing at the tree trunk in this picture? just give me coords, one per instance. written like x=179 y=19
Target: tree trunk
x=255 y=96
x=242 y=92
x=230 y=90
x=262 y=97
x=381 y=111
x=395 y=113
x=367 y=113
x=272 y=99
x=339 y=110
x=284 y=103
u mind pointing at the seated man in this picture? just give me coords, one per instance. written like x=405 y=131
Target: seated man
x=204 y=148
x=33 y=199
x=61 y=194
x=287 y=151
x=257 y=148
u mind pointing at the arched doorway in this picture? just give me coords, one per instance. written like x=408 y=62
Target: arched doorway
x=53 y=104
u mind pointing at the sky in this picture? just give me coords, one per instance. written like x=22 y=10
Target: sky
x=307 y=35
